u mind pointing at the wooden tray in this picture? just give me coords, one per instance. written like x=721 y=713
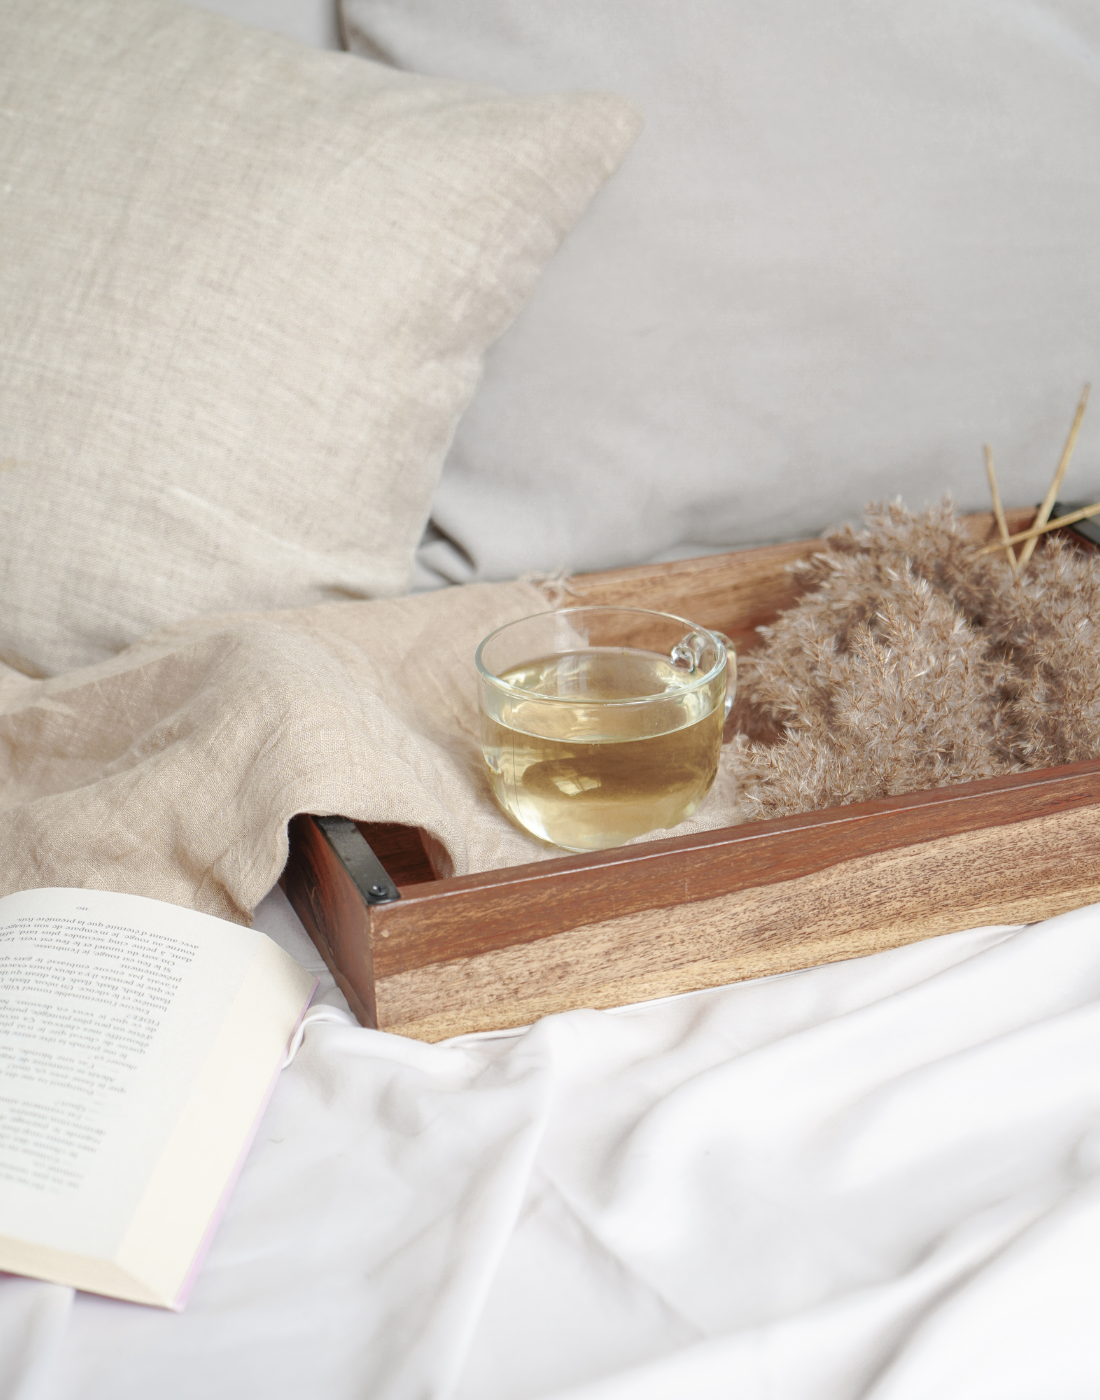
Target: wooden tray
x=482 y=952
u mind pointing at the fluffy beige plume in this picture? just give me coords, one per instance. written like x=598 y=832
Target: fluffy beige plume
x=913 y=661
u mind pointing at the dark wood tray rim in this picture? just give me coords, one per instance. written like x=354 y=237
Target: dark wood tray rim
x=523 y=903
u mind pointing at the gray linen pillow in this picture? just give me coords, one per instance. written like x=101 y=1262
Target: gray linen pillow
x=245 y=288
x=856 y=240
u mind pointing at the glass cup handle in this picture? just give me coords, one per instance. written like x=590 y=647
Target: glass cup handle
x=687 y=653
x=731 y=670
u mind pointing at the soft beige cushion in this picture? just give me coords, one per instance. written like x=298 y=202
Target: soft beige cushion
x=245 y=288
x=856 y=240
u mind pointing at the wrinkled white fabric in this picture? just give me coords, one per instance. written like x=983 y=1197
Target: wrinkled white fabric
x=877 y=1179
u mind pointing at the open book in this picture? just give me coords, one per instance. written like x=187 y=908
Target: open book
x=139 y=1044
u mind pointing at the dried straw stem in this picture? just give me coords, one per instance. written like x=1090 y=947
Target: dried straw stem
x=998 y=509
x=1085 y=513
x=1056 y=485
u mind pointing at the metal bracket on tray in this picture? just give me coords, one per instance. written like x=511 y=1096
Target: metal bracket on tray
x=364 y=867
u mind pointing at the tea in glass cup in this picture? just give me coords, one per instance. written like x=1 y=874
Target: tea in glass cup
x=601 y=724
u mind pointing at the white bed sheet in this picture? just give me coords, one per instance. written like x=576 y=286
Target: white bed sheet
x=877 y=1179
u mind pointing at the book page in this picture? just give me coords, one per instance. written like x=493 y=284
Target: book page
x=109 y=1008
x=206 y=1149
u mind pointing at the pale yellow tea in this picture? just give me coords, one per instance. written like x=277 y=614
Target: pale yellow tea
x=586 y=774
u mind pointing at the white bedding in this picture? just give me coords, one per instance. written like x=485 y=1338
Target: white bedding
x=878 y=1179
x=875 y=1179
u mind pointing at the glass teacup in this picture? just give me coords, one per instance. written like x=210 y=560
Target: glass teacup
x=601 y=724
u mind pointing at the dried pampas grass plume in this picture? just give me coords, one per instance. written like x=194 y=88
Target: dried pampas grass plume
x=915 y=660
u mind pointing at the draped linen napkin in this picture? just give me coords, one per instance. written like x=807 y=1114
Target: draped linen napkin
x=172 y=769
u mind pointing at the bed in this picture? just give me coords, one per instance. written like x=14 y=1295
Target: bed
x=878 y=1178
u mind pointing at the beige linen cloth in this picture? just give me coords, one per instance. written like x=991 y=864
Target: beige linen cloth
x=172 y=769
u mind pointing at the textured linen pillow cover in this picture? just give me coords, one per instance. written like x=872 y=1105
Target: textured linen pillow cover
x=856 y=240
x=245 y=288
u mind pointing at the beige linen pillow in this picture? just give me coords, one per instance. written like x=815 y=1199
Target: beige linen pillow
x=856 y=240
x=245 y=288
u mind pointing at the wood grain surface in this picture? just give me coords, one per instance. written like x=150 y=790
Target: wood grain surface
x=1013 y=874
x=501 y=948
x=402 y=850
x=474 y=913
x=333 y=913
